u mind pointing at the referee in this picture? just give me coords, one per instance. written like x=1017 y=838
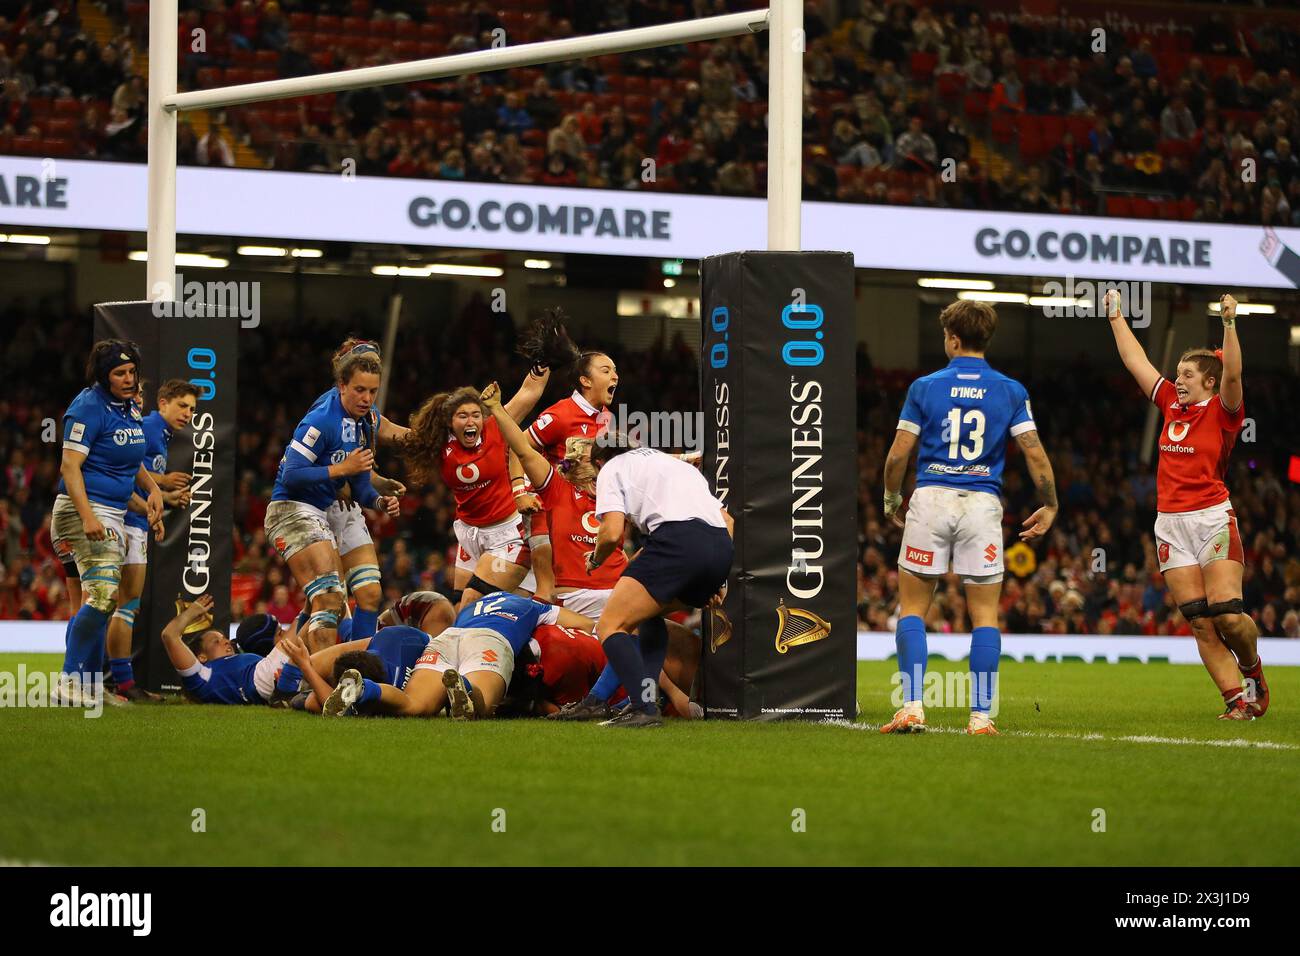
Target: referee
x=684 y=562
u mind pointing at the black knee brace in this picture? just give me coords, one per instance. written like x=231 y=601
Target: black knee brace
x=476 y=583
x=1194 y=609
x=1235 y=606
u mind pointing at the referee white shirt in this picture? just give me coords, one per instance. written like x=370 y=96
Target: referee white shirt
x=651 y=488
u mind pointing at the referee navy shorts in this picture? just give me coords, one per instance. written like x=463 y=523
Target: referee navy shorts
x=684 y=560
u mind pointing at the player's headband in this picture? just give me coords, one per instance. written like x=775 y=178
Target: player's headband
x=362 y=347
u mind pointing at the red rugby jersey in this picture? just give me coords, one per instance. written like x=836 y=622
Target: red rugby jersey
x=572 y=417
x=479 y=478
x=1195 y=442
x=573 y=523
x=571 y=662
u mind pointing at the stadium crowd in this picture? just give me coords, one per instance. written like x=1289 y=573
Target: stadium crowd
x=1095 y=573
x=1032 y=116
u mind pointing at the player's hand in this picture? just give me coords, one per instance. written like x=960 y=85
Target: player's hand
x=173 y=481
x=177 y=499
x=718 y=599
x=893 y=504
x=693 y=458
x=202 y=605
x=94 y=529
x=297 y=651
x=361 y=459
x=154 y=506
x=388 y=486
x=389 y=505
x=1038 y=523
x=528 y=504
x=1111 y=304
x=491 y=396
x=591 y=562
x=159 y=532
x=1227 y=309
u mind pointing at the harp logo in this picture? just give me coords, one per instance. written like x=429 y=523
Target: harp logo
x=719 y=628
x=796 y=626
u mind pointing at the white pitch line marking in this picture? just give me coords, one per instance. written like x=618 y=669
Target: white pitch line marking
x=1130 y=738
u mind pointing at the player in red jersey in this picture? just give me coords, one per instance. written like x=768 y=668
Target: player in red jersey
x=450 y=437
x=582 y=415
x=1197 y=541
x=558 y=667
x=569 y=498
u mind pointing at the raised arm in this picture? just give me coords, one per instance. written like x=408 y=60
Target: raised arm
x=535 y=466
x=900 y=453
x=528 y=395
x=1130 y=349
x=1040 y=472
x=181 y=657
x=1230 y=391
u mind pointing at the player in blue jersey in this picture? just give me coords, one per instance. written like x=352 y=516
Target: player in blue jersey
x=387 y=658
x=962 y=417
x=358 y=559
x=103 y=460
x=177 y=400
x=331 y=446
x=211 y=667
x=468 y=666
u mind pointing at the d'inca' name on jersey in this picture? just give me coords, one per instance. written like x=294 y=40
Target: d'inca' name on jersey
x=572 y=514
x=511 y=616
x=157 y=436
x=572 y=417
x=399 y=647
x=479 y=477
x=1195 y=442
x=326 y=435
x=110 y=434
x=963 y=415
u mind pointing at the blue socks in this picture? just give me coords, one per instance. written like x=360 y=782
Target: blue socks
x=605 y=685
x=289 y=679
x=123 y=673
x=370 y=691
x=623 y=654
x=985 y=649
x=346 y=627
x=85 y=653
x=363 y=625
x=912 y=655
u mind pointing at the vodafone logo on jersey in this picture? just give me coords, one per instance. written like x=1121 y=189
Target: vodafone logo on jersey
x=467 y=474
x=1178 y=431
x=590 y=523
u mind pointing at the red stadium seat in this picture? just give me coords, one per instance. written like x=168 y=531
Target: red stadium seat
x=1052 y=128
x=1002 y=125
x=328 y=24
x=923 y=65
x=60 y=128
x=211 y=76
x=323 y=60
x=56 y=146
x=951 y=85
x=1118 y=206
x=354 y=26
x=301 y=21
x=406 y=49
x=451 y=109
x=1143 y=208
x=1080 y=126
x=386 y=28
x=67 y=106
x=26 y=145
x=268 y=59
x=976 y=104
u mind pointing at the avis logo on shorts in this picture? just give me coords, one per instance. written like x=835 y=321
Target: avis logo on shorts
x=917 y=556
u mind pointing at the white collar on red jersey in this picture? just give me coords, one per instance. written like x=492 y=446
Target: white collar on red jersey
x=582 y=403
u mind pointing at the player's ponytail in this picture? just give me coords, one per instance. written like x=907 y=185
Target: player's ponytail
x=546 y=343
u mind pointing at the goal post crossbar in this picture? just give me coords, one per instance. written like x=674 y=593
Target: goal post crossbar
x=784 y=20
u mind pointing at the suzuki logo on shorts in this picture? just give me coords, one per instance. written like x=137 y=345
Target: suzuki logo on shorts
x=590 y=523
x=991 y=552
x=467 y=474
x=1178 y=430
x=917 y=556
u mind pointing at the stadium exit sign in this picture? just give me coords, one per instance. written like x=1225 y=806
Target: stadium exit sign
x=671 y=267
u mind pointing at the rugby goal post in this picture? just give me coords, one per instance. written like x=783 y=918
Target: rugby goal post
x=784 y=21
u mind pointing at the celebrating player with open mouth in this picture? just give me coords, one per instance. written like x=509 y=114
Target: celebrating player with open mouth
x=450 y=437
x=962 y=416
x=331 y=445
x=1197 y=542
x=582 y=416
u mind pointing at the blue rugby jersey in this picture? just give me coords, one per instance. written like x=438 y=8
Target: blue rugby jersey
x=111 y=436
x=963 y=416
x=226 y=680
x=326 y=435
x=157 y=436
x=511 y=616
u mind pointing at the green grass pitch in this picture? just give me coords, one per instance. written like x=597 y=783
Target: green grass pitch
x=285 y=788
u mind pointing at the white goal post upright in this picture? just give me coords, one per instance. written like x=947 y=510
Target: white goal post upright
x=785 y=104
